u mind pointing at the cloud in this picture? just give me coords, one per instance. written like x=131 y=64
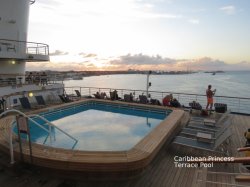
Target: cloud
x=142 y=62
x=205 y=63
x=58 y=53
x=228 y=9
x=194 y=21
x=140 y=59
x=87 y=55
x=60 y=66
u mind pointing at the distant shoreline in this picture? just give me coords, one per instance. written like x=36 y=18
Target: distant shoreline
x=70 y=74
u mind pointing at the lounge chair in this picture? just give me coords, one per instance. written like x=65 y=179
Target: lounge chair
x=210 y=122
x=40 y=100
x=155 y=102
x=143 y=99
x=202 y=143
x=128 y=98
x=78 y=94
x=65 y=99
x=97 y=95
x=201 y=127
x=195 y=106
x=25 y=103
x=210 y=135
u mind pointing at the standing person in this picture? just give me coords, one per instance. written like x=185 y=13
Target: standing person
x=2 y=104
x=44 y=80
x=29 y=78
x=210 y=95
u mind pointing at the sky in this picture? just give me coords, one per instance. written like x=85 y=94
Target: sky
x=142 y=34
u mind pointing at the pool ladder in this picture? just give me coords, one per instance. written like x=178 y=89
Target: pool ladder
x=29 y=117
x=51 y=125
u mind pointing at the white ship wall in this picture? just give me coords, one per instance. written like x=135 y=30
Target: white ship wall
x=9 y=67
x=14 y=15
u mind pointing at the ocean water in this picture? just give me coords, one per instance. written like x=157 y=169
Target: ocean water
x=235 y=84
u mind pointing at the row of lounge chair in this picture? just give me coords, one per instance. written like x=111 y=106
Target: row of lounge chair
x=25 y=103
x=127 y=98
x=206 y=134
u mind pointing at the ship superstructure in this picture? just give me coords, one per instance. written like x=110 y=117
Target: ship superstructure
x=15 y=50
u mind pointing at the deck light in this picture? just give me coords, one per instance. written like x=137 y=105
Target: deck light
x=30 y=94
x=13 y=62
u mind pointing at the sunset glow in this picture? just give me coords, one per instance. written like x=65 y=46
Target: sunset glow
x=93 y=34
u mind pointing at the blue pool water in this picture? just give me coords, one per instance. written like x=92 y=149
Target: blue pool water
x=98 y=127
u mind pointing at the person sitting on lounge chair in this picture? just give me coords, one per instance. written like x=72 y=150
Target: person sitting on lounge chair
x=114 y=95
x=103 y=95
x=155 y=102
x=175 y=103
x=195 y=105
x=247 y=136
x=97 y=95
x=128 y=97
x=167 y=99
x=143 y=99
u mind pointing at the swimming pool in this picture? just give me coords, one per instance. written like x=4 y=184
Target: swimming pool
x=148 y=127
x=97 y=126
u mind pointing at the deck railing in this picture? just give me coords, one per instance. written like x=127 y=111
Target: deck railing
x=16 y=79
x=235 y=104
x=32 y=48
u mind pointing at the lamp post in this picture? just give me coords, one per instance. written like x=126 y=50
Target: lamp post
x=148 y=83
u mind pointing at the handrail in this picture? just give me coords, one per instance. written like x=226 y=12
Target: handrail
x=28 y=45
x=153 y=91
x=11 y=145
x=51 y=124
x=38 y=116
x=237 y=105
x=21 y=79
x=21 y=113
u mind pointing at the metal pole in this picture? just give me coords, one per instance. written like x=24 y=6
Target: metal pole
x=12 y=161
x=50 y=137
x=20 y=140
x=28 y=133
x=147 y=86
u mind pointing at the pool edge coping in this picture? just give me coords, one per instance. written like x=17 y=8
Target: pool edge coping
x=136 y=158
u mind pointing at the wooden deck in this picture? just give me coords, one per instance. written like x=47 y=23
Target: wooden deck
x=161 y=171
